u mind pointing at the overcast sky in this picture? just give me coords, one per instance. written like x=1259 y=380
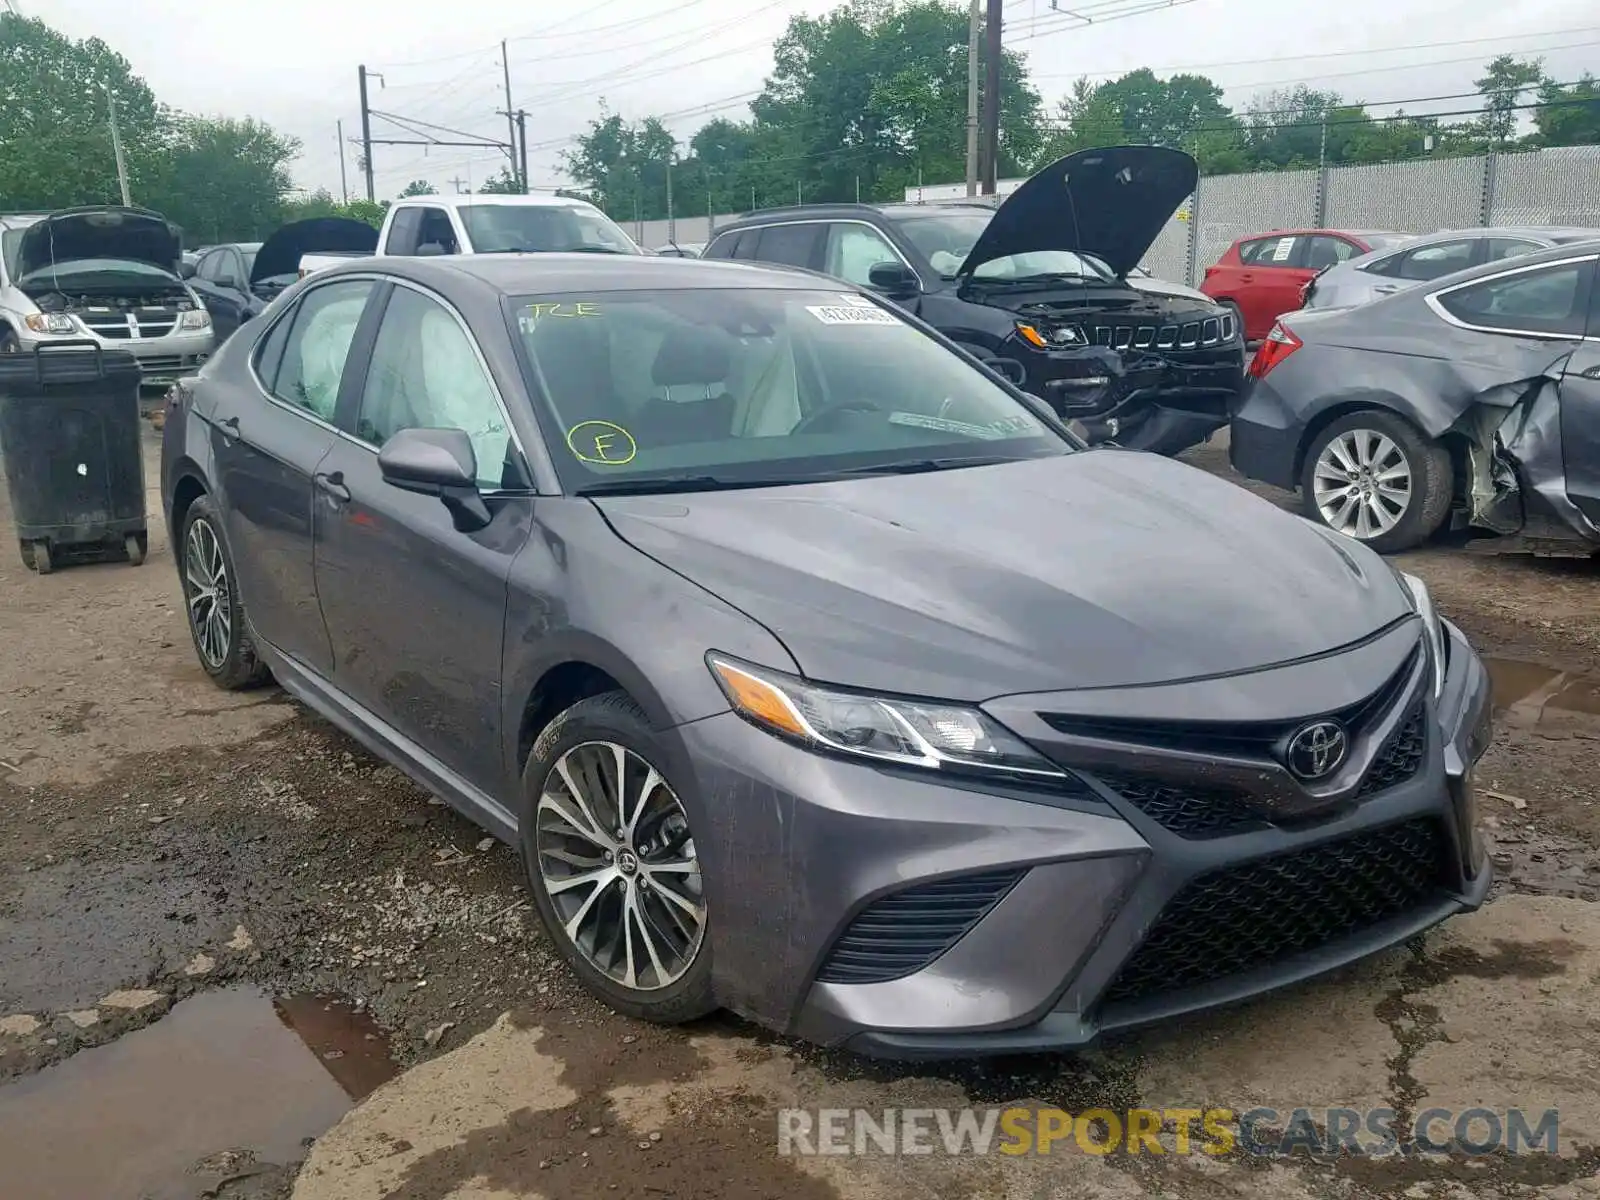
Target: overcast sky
x=293 y=63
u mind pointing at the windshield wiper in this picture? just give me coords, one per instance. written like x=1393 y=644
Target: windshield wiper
x=917 y=466
x=659 y=484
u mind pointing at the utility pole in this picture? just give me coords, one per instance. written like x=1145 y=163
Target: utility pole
x=116 y=146
x=974 y=33
x=511 y=118
x=366 y=133
x=522 y=143
x=992 y=54
x=344 y=184
x=457 y=182
x=672 y=224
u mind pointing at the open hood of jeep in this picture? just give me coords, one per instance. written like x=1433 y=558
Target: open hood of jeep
x=1112 y=203
x=100 y=231
x=280 y=253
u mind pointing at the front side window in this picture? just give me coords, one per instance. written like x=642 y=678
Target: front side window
x=853 y=250
x=747 y=387
x=946 y=239
x=318 y=345
x=1328 y=251
x=1553 y=300
x=529 y=228
x=425 y=374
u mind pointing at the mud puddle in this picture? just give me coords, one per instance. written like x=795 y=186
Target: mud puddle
x=225 y=1091
x=1528 y=693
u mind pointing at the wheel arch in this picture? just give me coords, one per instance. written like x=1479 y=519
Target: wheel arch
x=1384 y=402
x=187 y=487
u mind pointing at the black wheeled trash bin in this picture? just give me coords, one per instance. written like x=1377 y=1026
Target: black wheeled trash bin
x=69 y=434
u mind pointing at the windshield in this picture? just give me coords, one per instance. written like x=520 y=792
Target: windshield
x=746 y=387
x=516 y=228
x=946 y=239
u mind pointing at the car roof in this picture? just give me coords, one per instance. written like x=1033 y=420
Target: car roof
x=841 y=211
x=513 y=199
x=550 y=272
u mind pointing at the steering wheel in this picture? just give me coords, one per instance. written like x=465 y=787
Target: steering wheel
x=809 y=423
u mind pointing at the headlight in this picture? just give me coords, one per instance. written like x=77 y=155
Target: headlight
x=197 y=319
x=49 y=323
x=1423 y=603
x=1061 y=336
x=911 y=733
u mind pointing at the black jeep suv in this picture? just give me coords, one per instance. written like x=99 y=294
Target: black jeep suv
x=1037 y=289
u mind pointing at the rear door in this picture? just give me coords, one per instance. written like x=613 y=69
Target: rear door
x=1268 y=282
x=415 y=607
x=267 y=447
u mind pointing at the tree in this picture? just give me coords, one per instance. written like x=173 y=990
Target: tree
x=245 y=168
x=1571 y=113
x=419 y=187
x=1504 y=82
x=502 y=183
x=55 y=119
x=1185 y=112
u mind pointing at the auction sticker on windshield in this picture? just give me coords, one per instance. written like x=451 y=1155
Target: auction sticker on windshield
x=850 y=314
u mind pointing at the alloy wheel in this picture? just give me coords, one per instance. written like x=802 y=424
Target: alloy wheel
x=1363 y=483
x=617 y=860
x=206 y=588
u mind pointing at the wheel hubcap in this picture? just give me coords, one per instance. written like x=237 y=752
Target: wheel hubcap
x=617 y=860
x=1362 y=483
x=205 y=585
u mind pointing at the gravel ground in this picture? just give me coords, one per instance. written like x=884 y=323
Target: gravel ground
x=161 y=840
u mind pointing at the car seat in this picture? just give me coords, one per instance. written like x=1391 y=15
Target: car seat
x=691 y=401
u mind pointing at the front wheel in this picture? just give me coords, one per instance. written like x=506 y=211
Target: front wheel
x=211 y=599
x=611 y=860
x=1374 y=476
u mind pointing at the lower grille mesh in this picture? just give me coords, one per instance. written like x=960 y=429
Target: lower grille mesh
x=1401 y=756
x=899 y=934
x=1191 y=812
x=1238 y=918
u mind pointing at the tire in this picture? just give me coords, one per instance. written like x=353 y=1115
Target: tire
x=225 y=650
x=25 y=550
x=9 y=343
x=41 y=558
x=1391 y=442
x=584 y=737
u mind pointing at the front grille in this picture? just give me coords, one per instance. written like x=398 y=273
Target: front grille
x=1249 y=916
x=1191 y=812
x=1401 y=756
x=901 y=933
x=1214 y=331
x=116 y=327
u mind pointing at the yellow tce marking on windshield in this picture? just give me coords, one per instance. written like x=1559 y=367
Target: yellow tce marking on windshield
x=601 y=442
x=559 y=308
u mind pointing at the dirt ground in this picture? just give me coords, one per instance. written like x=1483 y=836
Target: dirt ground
x=196 y=888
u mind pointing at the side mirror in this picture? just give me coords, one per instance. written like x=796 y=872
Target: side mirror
x=186 y=270
x=430 y=250
x=437 y=462
x=1079 y=430
x=894 y=279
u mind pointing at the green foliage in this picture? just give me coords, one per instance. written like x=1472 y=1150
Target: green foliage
x=419 y=187
x=503 y=183
x=1574 y=116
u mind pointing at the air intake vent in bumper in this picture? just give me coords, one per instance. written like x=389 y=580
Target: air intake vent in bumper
x=1401 y=756
x=1238 y=918
x=903 y=932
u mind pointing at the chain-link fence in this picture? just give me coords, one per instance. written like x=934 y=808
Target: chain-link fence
x=1539 y=187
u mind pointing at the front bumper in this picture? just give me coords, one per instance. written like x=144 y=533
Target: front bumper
x=162 y=360
x=835 y=885
x=1162 y=401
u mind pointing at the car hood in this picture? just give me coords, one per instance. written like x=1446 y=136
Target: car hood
x=1098 y=569
x=101 y=231
x=280 y=253
x=1163 y=287
x=1112 y=203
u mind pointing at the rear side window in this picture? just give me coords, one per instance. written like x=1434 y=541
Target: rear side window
x=723 y=245
x=1268 y=252
x=1510 y=248
x=269 y=353
x=1553 y=300
x=1435 y=262
x=1325 y=251
x=792 y=245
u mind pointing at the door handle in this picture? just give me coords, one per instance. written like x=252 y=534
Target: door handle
x=1247 y=277
x=1385 y=289
x=229 y=427
x=333 y=485
x=1590 y=372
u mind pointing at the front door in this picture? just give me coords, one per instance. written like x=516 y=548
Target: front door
x=1580 y=423
x=415 y=608
x=267 y=449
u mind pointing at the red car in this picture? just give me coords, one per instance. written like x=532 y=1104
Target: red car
x=1263 y=274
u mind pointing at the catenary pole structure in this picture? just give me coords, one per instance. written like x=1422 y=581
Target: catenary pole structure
x=992 y=51
x=974 y=37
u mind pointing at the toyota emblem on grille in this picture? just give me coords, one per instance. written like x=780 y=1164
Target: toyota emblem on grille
x=1317 y=750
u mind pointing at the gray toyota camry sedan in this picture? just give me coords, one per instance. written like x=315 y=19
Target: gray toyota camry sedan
x=817 y=673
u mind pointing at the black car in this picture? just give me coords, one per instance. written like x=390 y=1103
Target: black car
x=1038 y=289
x=238 y=280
